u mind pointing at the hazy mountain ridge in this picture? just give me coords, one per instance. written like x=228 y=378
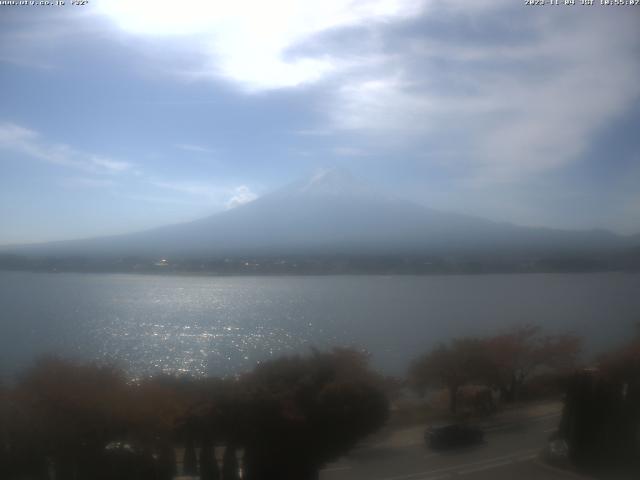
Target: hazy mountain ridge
x=334 y=213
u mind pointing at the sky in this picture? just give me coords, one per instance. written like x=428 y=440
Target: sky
x=118 y=116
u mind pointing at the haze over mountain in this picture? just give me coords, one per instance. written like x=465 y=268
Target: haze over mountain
x=333 y=213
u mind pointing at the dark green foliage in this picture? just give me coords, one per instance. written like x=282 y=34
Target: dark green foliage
x=208 y=464
x=70 y=412
x=166 y=462
x=287 y=418
x=504 y=362
x=515 y=356
x=122 y=461
x=601 y=417
x=190 y=462
x=450 y=365
x=305 y=411
x=230 y=469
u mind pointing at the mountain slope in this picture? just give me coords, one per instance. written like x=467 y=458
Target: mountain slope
x=332 y=213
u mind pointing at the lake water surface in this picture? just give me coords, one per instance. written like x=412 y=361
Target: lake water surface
x=220 y=325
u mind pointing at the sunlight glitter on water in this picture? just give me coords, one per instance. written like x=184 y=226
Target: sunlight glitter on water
x=208 y=325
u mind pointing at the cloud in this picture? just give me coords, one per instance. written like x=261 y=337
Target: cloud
x=224 y=196
x=197 y=189
x=10 y=133
x=313 y=132
x=468 y=95
x=249 y=41
x=87 y=182
x=518 y=92
x=24 y=141
x=349 y=152
x=515 y=104
x=25 y=62
x=160 y=199
x=109 y=165
x=194 y=148
x=241 y=195
x=21 y=140
x=41 y=35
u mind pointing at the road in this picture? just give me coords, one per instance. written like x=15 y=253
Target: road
x=510 y=452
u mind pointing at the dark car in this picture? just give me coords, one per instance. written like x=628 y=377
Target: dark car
x=452 y=436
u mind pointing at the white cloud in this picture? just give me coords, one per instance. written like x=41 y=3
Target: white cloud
x=349 y=152
x=513 y=107
x=551 y=123
x=222 y=196
x=114 y=166
x=518 y=108
x=241 y=195
x=161 y=199
x=248 y=41
x=28 y=142
x=197 y=189
x=194 y=148
x=314 y=132
x=86 y=182
x=10 y=133
x=24 y=141
x=381 y=104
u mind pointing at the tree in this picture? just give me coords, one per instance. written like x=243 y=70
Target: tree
x=190 y=460
x=289 y=416
x=230 y=464
x=516 y=355
x=452 y=366
x=601 y=415
x=302 y=412
x=623 y=364
x=5 y=443
x=166 y=409
x=73 y=412
x=208 y=464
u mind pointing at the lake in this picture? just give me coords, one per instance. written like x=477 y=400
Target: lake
x=221 y=325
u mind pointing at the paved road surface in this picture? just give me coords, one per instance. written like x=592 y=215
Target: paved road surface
x=509 y=452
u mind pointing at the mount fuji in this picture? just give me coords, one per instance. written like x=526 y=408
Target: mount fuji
x=334 y=213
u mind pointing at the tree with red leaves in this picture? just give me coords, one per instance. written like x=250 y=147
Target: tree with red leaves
x=302 y=412
x=74 y=410
x=450 y=365
x=514 y=356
